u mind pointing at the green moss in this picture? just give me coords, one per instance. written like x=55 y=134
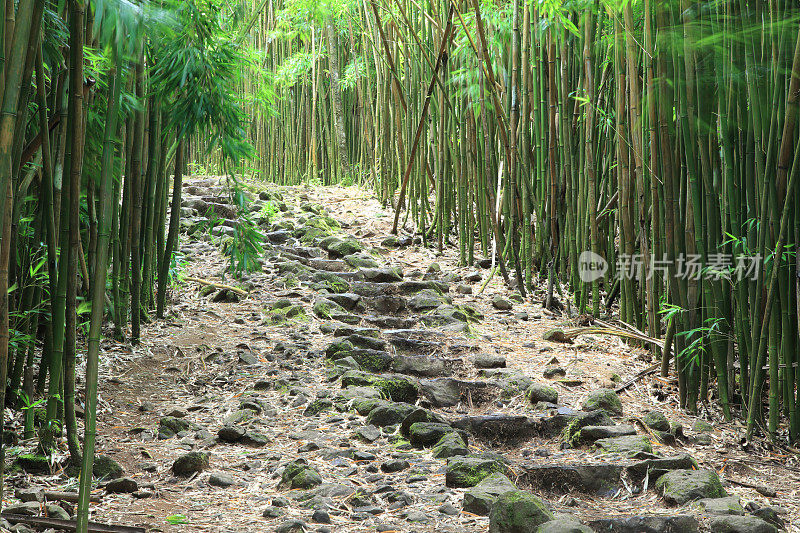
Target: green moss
x=331 y=282
x=33 y=464
x=372 y=362
x=326 y=308
x=398 y=390
x=465 y=472
x=282 y=314
x=365 y=405
x=337 y=347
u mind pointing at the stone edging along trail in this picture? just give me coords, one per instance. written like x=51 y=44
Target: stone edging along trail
x=362 y=386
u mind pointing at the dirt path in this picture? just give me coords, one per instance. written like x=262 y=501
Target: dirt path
x=303 y=395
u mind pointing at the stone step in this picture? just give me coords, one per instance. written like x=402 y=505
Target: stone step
x=449 y=391
x=647 y=524
x=500 y=428
x=600 y=479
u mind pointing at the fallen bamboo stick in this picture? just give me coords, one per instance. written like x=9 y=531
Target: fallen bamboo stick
x=69 y=525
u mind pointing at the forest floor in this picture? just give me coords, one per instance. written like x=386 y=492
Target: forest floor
x=257 y=382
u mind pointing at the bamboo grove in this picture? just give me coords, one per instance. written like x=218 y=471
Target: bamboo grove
x=101 y=102
x=660 y=135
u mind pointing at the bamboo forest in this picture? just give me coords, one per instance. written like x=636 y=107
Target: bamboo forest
x=516 y=266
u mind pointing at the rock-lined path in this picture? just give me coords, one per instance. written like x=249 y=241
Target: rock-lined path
x=360 y=385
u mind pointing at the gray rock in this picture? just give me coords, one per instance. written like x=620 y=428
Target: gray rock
x=426 y=434
x=541 y=393
x=563 y=525
x=417 y=516
x=441 y=392
x=730 y=505
x=498 y=302
x=604 y=399
x=291 y=526
x=657 y=467
x=368 y=433
x=656 y=420
x=190 y=463
x=480 y=498
x=591 y=434
x=628 y=445
x=517 y=512
x=451 y=445
x=389 y=414
x=123 y=485
x=272 y=512
x=321 y=516
x=382 y=275
x=231 y=433
x=647 y=524
x=221 y=480
x=600 y=479
x=394 y=465
x=489 y=361
x=770 y=514
x=449 y=510
x=553 y=371
x=299 y=475
x=465 y=472
x=740 y=524
x=682 y=486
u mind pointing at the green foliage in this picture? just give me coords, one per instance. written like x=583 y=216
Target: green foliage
x=269 y=211
x=197 y=65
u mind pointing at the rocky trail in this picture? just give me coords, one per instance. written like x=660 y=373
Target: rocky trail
x=360 y=382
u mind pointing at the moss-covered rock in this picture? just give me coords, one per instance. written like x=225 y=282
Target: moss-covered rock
x=398 y=388
x=325 y=308
x=730 y=505
x=33 y=464
x=169 y=426
x=541 y=393
x=318 y=406
x=426 y=300
x=382 y=275
x=681 y=486
x=330 y=282
x=556 y=335
x=361 y=261
x=280 y=315
x=337 y=347
x=342 y=247
x=191 y=463
x=604 y=399
x=299 y=475
x=464 y=472
x=480 y=498
x=427 y=434
x=364 y=406
x=389 y=414
x=518 y=512
x=656 y=420
x=571 y=434
x=104 y=467
x=701 y=426
x=451 y=445
x=628 y=445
